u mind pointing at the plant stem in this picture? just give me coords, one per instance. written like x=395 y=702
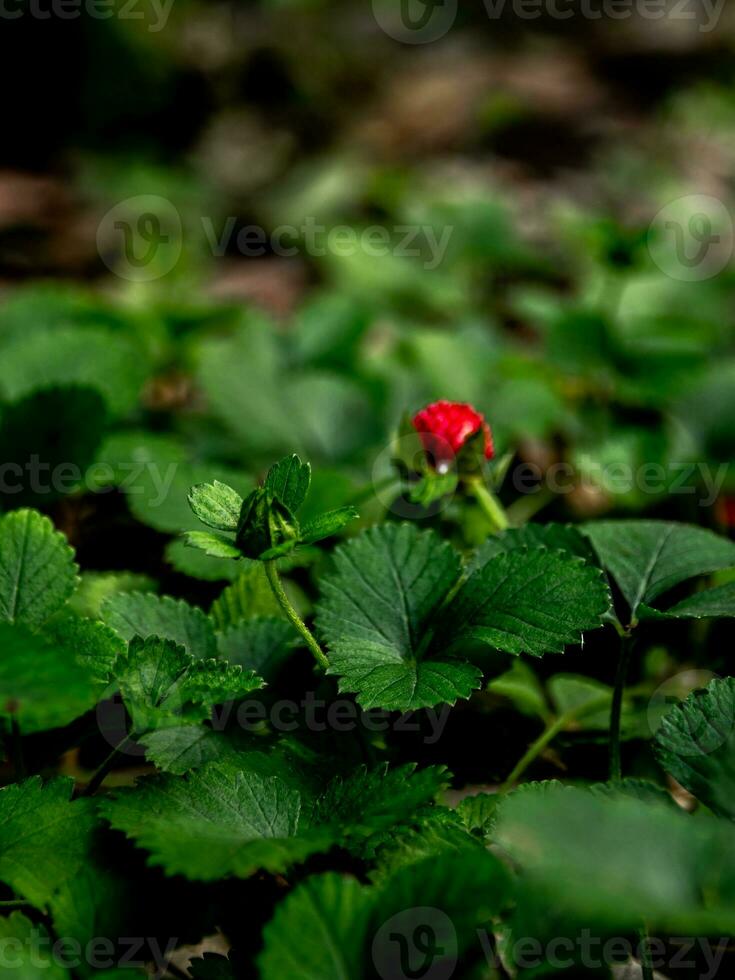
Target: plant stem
x=98 y=778
x=535 y=749
x=293 y=617
x=489 y=504
x=616 y=709
x=552 y=729
x=646 y=968
x=14 y=748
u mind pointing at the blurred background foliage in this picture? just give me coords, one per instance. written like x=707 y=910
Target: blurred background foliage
x=542 y=149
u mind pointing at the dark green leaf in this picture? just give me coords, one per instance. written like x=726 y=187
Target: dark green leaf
x=144 y=614
x=289 y=481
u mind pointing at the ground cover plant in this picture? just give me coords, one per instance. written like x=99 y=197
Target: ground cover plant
x=367 y=594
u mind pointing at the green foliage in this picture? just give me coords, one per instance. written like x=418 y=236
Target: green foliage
x=695 y=743
x=37 y=570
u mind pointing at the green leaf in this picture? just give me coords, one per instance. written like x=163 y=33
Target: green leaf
x=587 y=700
x=95 y=587
x=216 y=505
x=695 y=744
x=180 y=748
x=647 y=558
x=94 y=357
x=289 y=480
x=60 y=429
x=612 y=863
x=28 y=947
x=262 y=645
x=533 y=602
x=370 y=799
x=248 y=821
x=348 y=930
x=327 y=524
x=557 y=537
x=214 y=545
x=37 y=570
x=95 y=647
x=375 y=613
x=43 y=684
x=190 y=560
x=521 y=686
x=162 y=684
x=707 y=604
x=248 y=597
x=44 y=839
x=144 y=614
x=329 y=913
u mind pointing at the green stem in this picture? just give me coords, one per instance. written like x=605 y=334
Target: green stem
x=646 y=967
x=552 y=729
x=98 y=778
x=616 y=709
x=14 y=748
x=293 y=617
x=489 y=504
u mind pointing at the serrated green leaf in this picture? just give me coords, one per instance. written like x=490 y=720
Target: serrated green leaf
x=214 y=545
x=94 y=645
x=370 y=799
x=42 y=684
x=262 y=645
x=37 y=570
x=707 y=604
x=95 y=587
x=327 y=524
x=163 y=685
x=557 y=537
x=27 y=949
x=637 y=789
x=647 y=558
x=695 y=743
x=478 y=812
x=375 y=613
x=532 y=602
x=144 y=614
x=216 y=505
x=248 y=822
x=289 y=481
x=44 y=838
x=181 y=748
x=248 y=597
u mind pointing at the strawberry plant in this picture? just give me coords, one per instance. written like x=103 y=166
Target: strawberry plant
x=224 y=810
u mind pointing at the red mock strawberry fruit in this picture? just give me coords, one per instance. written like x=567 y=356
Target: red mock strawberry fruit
x=445 y=427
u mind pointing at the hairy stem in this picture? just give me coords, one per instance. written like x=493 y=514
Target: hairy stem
x=489 y=504
x=293 y=617
x=616 y=709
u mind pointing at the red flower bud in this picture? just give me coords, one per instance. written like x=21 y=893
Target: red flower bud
x=445 y=427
